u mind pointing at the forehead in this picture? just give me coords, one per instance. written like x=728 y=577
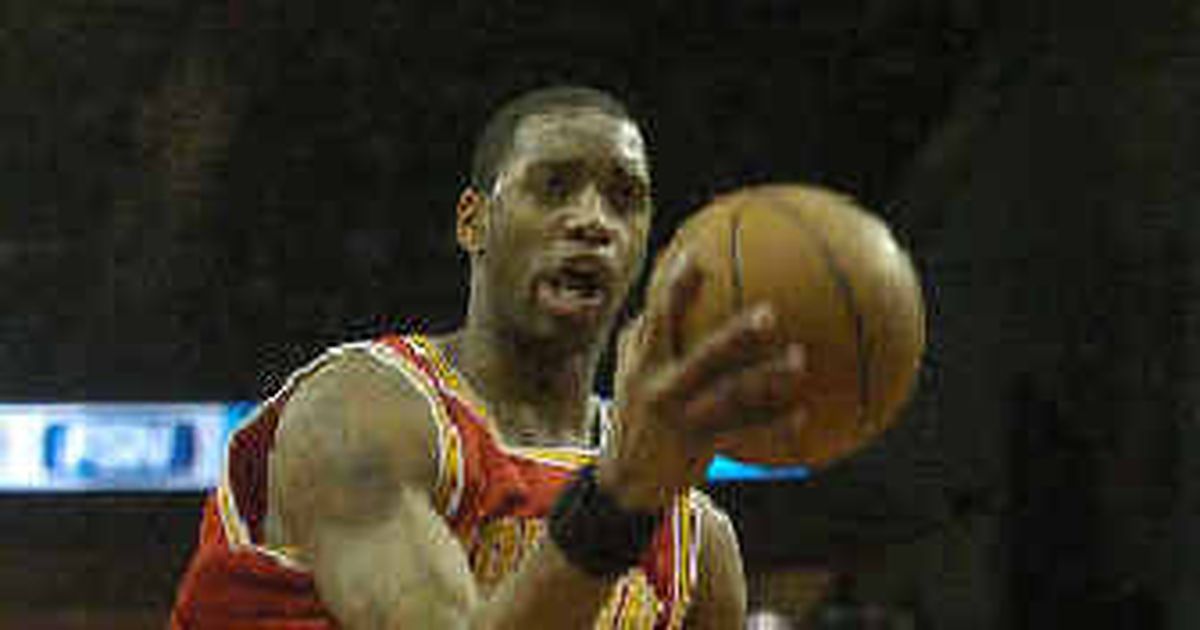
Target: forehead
x=579 y=134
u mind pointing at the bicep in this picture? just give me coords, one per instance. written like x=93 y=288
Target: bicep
x=720 y=602
x=354 y=464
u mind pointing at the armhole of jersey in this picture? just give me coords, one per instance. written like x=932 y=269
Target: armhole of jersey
x=450 y=481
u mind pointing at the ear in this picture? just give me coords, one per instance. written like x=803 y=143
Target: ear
x=471 y=220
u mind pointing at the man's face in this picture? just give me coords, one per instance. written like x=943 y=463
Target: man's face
x=568 y=223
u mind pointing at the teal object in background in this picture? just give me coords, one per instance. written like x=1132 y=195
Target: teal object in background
x=723 y=469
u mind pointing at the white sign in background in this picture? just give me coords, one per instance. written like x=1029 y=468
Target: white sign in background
x=54 y=447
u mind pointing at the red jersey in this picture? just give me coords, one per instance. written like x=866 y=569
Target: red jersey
x=494 y=497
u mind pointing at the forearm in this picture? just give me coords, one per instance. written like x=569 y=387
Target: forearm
x=546 y=591
x=427 y=582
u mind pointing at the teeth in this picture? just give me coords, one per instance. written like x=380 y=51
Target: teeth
x=580 y=284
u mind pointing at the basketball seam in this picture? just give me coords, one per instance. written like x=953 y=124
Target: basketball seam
x=735 y=259
x=846 y=289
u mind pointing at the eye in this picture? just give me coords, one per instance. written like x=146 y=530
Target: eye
x=627 y=195
x=556 y=185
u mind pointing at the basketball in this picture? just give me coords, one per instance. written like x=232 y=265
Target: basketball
x=839 y=284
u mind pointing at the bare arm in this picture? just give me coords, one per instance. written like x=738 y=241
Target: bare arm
x=352 y=475
x=720 y=602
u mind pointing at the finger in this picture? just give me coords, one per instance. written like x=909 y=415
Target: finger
x=789 y=419
x=780 y=431
x=682 y=283
x=699 y=462
x=627 y=347
x=748 y=337
x=630 y=335
x=755 y=395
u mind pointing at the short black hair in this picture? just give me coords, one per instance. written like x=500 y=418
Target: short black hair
x=494 y=143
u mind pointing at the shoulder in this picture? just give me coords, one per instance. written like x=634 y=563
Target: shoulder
x=353 y=429
x=718 y=536
x=720 y=600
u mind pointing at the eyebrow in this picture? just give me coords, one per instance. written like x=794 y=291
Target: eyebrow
x=620 y=167
x=638 y=176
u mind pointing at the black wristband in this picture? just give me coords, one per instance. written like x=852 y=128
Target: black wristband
x=594 y=533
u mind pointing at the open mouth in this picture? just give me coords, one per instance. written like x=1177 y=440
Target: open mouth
x=574 y=291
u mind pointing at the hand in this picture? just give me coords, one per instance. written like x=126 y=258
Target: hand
x=670 y=409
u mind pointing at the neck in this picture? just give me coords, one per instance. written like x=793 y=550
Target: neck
x=537 y=391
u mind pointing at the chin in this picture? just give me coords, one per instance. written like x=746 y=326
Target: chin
x=570 y=334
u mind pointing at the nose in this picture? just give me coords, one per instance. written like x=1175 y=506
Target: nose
x=589 y=220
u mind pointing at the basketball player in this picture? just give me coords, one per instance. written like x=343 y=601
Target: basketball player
x=454 y=481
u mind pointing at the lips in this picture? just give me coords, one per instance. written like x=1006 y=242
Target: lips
x=576 y=288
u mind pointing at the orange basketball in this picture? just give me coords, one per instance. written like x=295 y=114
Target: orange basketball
x=839 y=283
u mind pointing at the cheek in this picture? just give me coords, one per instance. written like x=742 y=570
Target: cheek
x=509 y=245
x=639 y=236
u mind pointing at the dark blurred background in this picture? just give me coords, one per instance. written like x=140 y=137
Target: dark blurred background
x=195 y=198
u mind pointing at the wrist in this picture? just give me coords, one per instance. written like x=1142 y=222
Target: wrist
x=595 y=532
